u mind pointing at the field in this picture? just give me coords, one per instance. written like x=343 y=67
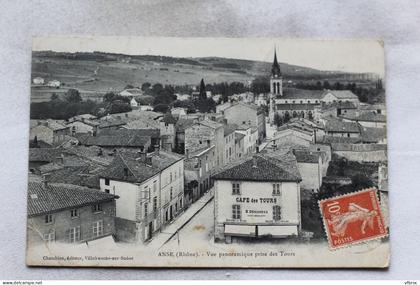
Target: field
x=94 y=74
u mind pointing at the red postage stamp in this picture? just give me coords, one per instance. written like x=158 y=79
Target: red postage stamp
x=352 y=218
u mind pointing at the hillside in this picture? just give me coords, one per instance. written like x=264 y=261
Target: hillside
x=96 y=73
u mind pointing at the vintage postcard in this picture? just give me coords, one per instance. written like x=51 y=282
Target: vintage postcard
x=207 y=152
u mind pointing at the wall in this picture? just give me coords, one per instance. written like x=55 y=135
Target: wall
x=42 y=133
x=80 y=127
x=126 y=204
x=289 y=202
x=62 y=222
x=177 y=185
x=311 y=174
x=364 y=156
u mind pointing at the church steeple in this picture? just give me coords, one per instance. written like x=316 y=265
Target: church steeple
x=275 y=69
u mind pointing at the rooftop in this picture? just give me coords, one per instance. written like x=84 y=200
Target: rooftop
x=335 y=125
x=262 y=167
x=342 y=94
x=57 y=197
x=294 y=93
x=229 y=128
x=367 y=117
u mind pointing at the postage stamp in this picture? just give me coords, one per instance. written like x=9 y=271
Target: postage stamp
x=352 y=218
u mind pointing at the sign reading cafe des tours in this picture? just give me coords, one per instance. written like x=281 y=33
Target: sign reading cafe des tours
x=207 y=152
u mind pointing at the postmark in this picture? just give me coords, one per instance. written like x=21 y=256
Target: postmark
x=352 y=218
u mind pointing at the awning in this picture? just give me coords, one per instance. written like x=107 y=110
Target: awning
x=240 y=230
x=277 y=231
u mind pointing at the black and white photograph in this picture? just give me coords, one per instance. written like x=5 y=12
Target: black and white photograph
x=207 y=152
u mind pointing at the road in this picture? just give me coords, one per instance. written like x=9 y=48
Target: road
x=199 y=228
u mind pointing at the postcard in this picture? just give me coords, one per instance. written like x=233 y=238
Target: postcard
x=207 y=152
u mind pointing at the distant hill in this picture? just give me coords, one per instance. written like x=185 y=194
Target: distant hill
x=99 y=72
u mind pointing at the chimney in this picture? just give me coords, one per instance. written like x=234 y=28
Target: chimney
x=187 y=153
x=45 y=180
x=254 y=162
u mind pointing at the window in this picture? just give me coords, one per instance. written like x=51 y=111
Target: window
x=106 y=190
x=170 y=177
x=236 y=190
x=207 y=167
x=73 y=235
x=236 y=212
x=145 y=210
x=49 y=237
x=74 y=213
x=180 y=203
x=170 y=194
x=97 y=208
x=154 y=186
x=106 y=181
x=98 y=228
x=200 y=172
x=48 y=219
x=155 y=204
x=276 y=189
x=276 y=213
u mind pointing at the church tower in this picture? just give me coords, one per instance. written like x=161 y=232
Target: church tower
x=276 y=79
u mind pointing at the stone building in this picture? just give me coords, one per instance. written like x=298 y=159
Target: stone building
x=258 y=197
x=68 y=213
x=151 y=191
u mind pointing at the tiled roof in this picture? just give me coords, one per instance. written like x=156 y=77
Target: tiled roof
x=133 y=91
x=261 y=167
x=334 y=125
x=57 y=197
x=341 y=105
x=367 y=117
x=342 y=94
x=372 y=135
x=169 y=119
x=146 y=132
x=51 y=124
x=229 y=128
x=210 y=124
x=305 y=156
x=295 y=107
x=129 y=140
x=113 y=123
x=183 y=124
x=331 y=139
x=294 y=93
x=357 y=147
x=137 y=169
x=45 y=154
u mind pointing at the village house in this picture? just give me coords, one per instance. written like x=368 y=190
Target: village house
x=151 y=191
x=199 y=166
x=68 y=213
x=54 y=84
x=249 y=140
x=49 y=131
x=361 y=152
x=113 y=124
x=340 y=96
x=340 y=128
x=310 y=169
x=82 y=117
x=250 y=114
x=83 y=126
x=239 y=144
x=167 y=132
x=222 y=107
x=38 y=81
x=180 y=127
x=133 y=103
x=258 y=197
x=370 y=120
x=131 y=92
x=206 y=133
x=141 y=139
x=229 y=145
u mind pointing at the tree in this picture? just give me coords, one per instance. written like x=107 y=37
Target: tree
x=54 y=97
x=203 y=95
x=156 y=88
x=260 y=85
x=129 y=86
x=145 y=86
x=162 y=108
x=73 y=96
x=278 y=121
x=109 y=97
x=326 y=85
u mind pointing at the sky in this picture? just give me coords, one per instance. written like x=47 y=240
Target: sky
x=335 y=55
